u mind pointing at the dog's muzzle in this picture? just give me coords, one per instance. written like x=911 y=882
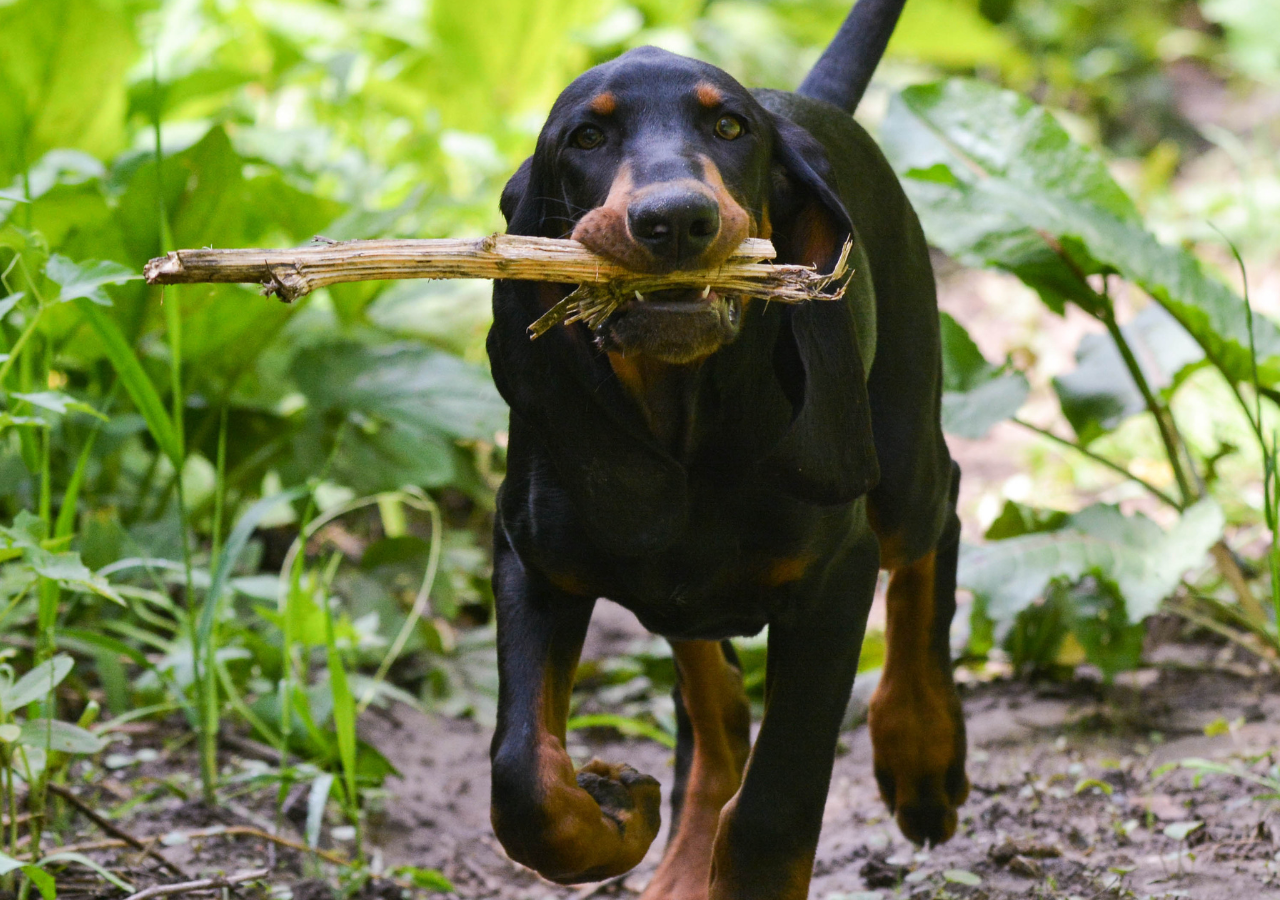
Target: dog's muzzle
x=675 y=326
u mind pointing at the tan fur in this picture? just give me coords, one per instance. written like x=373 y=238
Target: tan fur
x=714 y=699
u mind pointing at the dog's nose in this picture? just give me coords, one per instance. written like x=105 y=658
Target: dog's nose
x=676 y=226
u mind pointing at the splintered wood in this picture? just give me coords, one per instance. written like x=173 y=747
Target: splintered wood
x=603 y=286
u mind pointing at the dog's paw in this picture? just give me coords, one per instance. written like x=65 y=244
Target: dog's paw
x=574 y=827
x=924 y=804
x=629 y=799
x=919 y=752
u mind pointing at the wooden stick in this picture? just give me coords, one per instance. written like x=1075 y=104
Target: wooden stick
x=147 y=849
x=293 y=273
x=218 y=831
x=203 y=884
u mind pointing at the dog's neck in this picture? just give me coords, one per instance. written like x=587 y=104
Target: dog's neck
x=665 y=393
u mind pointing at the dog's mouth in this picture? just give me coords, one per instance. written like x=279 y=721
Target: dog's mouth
x=677 y=325
x=685 y=301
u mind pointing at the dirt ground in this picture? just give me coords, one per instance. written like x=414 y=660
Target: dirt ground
x=1072 y=798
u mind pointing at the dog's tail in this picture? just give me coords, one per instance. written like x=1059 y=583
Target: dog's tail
x=845 y=67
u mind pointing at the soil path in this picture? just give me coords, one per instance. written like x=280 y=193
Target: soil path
x=1070 y=798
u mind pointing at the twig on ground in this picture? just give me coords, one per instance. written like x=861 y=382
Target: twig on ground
x=228 y=830
x=202 y=884
x=115 y=830
x=248 y=831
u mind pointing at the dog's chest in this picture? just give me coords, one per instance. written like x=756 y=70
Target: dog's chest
x=742 y=556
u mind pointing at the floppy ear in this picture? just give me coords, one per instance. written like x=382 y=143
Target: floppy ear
x=522 y=199
x=828 y=454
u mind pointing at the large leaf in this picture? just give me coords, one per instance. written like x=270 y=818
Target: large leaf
x=1131 y=552
x=975 y=394
x=62 y=68
x=405 y=407
x=998 y=182
x=1100 y=393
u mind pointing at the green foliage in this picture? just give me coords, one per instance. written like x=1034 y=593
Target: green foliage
x=975 y=394
x=999 y=183
x=1099 y=394
x=1131 y=552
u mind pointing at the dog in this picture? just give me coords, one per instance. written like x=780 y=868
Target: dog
x=716 y=465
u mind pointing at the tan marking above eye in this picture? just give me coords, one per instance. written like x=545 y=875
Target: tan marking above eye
x=603 y=103
x=708 y=94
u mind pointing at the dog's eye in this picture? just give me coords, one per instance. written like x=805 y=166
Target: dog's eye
x=588 y=137
x=729 y=127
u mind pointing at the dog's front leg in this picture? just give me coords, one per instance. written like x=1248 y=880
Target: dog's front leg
x=768 y=833
x=568 y=826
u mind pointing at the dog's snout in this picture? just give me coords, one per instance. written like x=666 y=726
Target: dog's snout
x=677 y=226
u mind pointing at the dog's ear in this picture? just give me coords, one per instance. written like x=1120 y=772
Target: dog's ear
x=523 y=199
x=516 y=189
x=828 y=455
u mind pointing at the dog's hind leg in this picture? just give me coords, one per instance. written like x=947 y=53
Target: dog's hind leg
x=714 y=738
x=568 y=826
x=917 y=726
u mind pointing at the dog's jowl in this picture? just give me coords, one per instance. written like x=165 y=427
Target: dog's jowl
x=717 y=465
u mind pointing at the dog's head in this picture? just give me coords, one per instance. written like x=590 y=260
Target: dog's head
x=663 y=163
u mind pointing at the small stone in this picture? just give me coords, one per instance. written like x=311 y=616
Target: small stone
x=1027 y=868
x=878 y=872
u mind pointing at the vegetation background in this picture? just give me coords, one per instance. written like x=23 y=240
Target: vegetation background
x=249 y=521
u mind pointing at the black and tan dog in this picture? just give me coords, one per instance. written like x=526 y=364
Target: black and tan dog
x=717 y=466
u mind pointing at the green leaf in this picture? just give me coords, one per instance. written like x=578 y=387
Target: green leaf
x=406 y=406
x=1085 y=784
x=1016 y=520
x=60 y=736
x=85 y=280
x=975 y=394
x=68 y=856
x=961 y=876
x=74 y=575
x=43 y=881
x=1179 y=831
x=1132 y=552
x=623 y=725
x=1100 y=393
x=1025 y=198
x=8 y=421
x=58 y=402
x=344 y=712
x=1101 y=623
x=37 y=683
x=62 y=77
x=316 y=801
x=427 y=879
x=135 y=380
x=8 y=303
